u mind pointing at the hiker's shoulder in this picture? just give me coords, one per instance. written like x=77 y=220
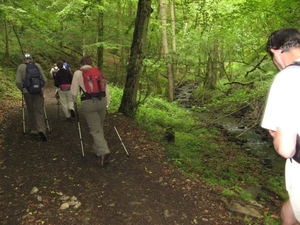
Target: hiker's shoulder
x=22 y=65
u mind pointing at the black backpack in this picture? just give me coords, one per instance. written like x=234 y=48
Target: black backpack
x=33 y=80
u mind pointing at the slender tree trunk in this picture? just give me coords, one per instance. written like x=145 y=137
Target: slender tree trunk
x=129 y=103
x=83 y=24
x=6 y=54
x=19 y=42
x=173 y=29
x=83 y=36
x=120 y=25
x=100 y=49
x=163 y=10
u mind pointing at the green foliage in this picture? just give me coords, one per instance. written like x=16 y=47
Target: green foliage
x=269 y=220
x=163 y=115
x=8 y=88
x=116 y=96
x=200 y=152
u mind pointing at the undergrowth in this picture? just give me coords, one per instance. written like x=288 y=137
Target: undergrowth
x=199 y=148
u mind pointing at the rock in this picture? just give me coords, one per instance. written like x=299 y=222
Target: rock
x=72 y=202
x=39 y=198
x=34 y=190
x=247 y=209
x=64 y=198
x=77 y=205
x=167 y=213
x=236 y=205
x=73 y=198
x=64 y=206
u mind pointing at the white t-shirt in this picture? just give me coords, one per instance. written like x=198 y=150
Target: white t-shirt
x=283 y=104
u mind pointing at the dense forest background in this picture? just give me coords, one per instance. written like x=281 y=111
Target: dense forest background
x=218 y=44
x=147 y=49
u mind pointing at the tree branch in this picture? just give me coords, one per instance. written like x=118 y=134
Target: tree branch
x=256 y=66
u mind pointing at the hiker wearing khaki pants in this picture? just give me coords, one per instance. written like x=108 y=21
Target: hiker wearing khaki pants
x=94 y=107
x=63 y=80
x=34 y=102
x=94 y=113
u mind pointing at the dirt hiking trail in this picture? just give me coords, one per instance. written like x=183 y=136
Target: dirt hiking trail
x=38 y=178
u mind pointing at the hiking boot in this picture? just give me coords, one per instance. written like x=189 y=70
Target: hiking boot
x=43 y=136
x=35 y=132
x=72 y=113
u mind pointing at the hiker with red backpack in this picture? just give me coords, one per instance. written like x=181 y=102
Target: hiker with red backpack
x=30 y=80
x=95 y=98
x=62 y=81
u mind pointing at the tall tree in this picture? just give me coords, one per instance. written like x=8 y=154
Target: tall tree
x=163 y=10
x=100 y=49
x=129 y=102
x=173 y=32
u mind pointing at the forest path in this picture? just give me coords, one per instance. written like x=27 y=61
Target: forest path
x=141 y=189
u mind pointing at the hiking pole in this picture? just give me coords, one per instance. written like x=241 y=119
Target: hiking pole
x=58 y=102
x=79 y=129
x=58 y=110
x=120 y=138
x=23 y=115
x=46 y=119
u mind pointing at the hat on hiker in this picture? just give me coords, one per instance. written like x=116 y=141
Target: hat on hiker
x=27 y=56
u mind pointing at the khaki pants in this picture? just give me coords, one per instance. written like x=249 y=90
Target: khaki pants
x=66 y=102
x=35 y=108
x=94 y=111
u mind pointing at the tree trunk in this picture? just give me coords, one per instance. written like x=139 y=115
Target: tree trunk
x=174 y=54
x=211 y=76
x=129 y=103
x=100 y=39
x=18 y=38
x=6 y=54
x=163 y=10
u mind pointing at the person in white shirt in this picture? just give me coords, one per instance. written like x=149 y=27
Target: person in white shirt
x=282 y=114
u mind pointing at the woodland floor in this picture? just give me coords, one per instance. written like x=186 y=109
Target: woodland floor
x=141 y=189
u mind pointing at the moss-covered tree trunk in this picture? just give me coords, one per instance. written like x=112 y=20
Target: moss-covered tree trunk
x=129 y=102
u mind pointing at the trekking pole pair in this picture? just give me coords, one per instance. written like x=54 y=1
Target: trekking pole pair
x=80 y=135
x=125 y=149
x=79 y=129
x=23 y=117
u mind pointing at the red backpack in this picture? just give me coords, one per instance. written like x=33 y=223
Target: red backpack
x=94 y=83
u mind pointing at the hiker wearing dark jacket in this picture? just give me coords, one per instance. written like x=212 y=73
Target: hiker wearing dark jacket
x=62 y=81
x=34 y=103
